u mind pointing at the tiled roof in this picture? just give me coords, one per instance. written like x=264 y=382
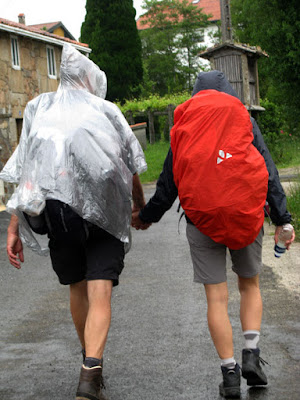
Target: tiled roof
x=47 y=25
x=239 y=46
x=211 y=7
x=208 y=7
x=51 y=26
x=38 y=31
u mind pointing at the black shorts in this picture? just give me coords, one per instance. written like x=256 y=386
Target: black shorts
x=84 y=251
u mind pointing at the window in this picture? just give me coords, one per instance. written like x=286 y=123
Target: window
x=19 y=122
x=51 y=62
x=15 y=52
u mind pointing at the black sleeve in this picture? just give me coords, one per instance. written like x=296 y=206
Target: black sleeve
x=276 y=196
x=164 y=196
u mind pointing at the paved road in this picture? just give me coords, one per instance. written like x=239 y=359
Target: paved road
x=159 y=346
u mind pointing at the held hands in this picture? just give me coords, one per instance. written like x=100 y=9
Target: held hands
x=136 y=222
x=138 y=204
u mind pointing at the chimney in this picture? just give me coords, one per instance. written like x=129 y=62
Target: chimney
x=22 y=19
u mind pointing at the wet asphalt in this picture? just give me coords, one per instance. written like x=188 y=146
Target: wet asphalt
x=159 y=347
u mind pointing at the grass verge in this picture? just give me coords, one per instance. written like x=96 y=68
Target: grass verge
x=285 y=151
x=155 y=156
x=293 y=205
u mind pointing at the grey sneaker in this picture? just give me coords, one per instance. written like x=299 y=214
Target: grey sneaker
x=230 y=387
x=90 y=384
x=251 y=369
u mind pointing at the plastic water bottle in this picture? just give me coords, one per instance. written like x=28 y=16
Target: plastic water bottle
x=284 y=235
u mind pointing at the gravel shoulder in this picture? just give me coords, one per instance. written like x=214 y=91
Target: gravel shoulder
x=287 y=267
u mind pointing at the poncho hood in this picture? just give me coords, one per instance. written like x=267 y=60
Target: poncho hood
x=77 y=72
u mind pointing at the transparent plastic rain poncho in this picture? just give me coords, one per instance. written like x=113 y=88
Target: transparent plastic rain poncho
x=78 y=148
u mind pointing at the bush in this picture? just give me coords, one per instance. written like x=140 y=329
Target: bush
x=270 y=124
x=153 y=103
x=284 y=145
x=270 y=121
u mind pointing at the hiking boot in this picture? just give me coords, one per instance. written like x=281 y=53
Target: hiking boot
x=251 y=369
x=90 y=384
x=230 y=387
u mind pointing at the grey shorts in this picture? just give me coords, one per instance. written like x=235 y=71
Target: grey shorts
x=209 y=257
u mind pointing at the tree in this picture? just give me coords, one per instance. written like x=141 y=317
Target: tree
x=171 y=43
x=110 y=30
x=275 y=26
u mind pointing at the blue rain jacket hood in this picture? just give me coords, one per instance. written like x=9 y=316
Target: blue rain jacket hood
x=215 y=80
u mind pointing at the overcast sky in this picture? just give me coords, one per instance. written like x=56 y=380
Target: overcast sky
x=70 y=12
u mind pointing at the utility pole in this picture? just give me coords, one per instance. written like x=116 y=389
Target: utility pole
x=226 y=21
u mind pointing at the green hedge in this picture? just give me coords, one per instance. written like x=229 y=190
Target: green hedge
x=153 y=103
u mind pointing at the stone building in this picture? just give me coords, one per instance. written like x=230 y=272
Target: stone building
x=29 y=65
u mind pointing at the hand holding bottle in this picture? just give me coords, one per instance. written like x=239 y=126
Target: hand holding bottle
x=284 y=236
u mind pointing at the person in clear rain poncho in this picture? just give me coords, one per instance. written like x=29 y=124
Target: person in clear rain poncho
x=77 y=167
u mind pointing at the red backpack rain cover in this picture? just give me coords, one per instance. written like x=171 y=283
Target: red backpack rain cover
x=221 y=177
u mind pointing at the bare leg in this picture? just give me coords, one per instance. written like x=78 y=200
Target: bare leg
x=251 y=315
x=98 y=318
x=79 y=307
x=251 y=303
x=218 y=320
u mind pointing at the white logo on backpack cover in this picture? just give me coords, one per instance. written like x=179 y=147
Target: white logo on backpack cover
x=223 y=156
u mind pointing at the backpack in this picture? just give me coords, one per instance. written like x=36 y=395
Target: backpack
x=222 y=179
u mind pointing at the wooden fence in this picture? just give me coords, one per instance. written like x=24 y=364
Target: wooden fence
x=150 y=115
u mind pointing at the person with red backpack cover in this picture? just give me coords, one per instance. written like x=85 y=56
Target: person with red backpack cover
x=221 y=170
